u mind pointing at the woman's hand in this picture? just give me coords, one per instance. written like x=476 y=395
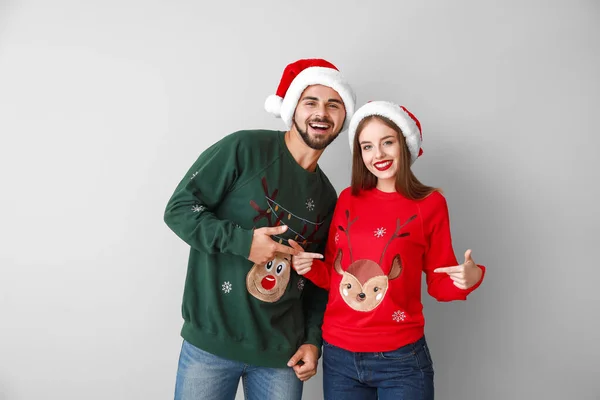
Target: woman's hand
x=465 y=275
x=302 y=261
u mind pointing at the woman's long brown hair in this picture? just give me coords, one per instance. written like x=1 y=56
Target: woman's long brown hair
x=407 y=183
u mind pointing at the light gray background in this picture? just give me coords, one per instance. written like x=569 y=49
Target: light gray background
x=105 y=104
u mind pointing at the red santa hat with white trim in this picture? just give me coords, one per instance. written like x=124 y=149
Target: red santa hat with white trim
x=409 y=124
x=300 y=74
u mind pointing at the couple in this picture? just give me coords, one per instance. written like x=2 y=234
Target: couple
x=258 y=213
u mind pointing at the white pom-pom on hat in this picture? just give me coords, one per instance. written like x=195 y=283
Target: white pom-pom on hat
x=273 y=105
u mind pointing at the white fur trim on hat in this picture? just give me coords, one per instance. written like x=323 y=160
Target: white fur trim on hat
x=317 y=76
x=397 y=115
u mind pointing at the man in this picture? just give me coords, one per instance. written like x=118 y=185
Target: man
x=246 y=312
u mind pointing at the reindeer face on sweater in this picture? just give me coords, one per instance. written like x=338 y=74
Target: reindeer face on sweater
x=267 y=282
x=364 y=284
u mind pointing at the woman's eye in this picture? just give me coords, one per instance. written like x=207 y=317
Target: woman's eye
x=367 y=147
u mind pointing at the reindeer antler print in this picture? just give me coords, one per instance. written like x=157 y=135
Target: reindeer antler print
x=347 y=232
x=266 y=213
x=396 y=234
x=364 y=284
x=269 y=281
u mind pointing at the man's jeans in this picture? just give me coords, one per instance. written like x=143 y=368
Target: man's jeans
x=201 y=375
x=402 y=374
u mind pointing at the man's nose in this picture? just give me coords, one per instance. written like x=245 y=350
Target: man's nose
x=321 y=110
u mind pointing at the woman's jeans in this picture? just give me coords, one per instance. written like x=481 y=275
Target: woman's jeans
x=402 y=374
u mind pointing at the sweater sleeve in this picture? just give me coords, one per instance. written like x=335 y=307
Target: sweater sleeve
x=316 y=298
x=320 y=272
x=190 y=212
x=314 y=301
x=439 y=253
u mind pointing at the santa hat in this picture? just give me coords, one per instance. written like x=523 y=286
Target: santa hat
x=297 y=76
x=399 y=115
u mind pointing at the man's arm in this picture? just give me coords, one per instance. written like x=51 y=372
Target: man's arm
x=190 y=211
x=306 y=359
x=314 y=302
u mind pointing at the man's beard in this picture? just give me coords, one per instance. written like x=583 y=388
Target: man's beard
x=319 y=142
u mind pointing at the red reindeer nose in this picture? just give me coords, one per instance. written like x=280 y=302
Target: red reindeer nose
x=268 y=282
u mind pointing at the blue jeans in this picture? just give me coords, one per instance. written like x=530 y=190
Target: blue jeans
x=202 y=375
x=402 y=374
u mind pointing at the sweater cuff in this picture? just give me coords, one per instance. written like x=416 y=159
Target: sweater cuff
x=318 y=275
x=313 y=336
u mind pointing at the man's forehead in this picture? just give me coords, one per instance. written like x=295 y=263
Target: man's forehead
x=322 y=92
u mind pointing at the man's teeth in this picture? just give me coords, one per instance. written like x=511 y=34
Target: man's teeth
x=319 y=126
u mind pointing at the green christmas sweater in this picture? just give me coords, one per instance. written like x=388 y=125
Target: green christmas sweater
x=256 y=314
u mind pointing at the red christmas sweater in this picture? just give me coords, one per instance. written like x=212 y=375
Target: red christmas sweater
x=378 y=246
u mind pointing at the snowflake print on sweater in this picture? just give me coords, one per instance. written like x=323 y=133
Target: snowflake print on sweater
x=310 y=204
x=198 y=208
x=399 y=316
x=301 y=283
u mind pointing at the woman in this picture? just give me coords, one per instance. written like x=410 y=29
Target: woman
x=387 y=229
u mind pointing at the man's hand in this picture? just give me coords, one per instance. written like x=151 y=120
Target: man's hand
x=305 y=362
x=465 y=275
x=263 y=248
x=302 y=262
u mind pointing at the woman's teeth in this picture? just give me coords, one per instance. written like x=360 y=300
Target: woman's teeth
x=383 y=165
